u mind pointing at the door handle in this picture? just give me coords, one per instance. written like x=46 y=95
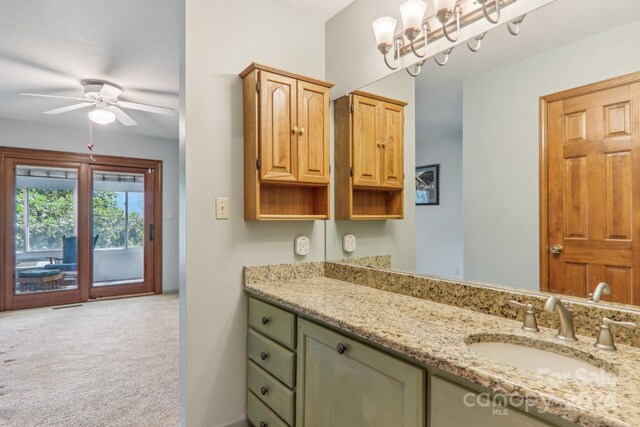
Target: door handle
x=556 y=249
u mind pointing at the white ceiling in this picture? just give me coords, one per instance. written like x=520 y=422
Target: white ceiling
x=439 y=89
x=319 y=9
x=49 y=47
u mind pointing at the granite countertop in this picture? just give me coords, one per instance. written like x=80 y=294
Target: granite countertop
x=436 y=334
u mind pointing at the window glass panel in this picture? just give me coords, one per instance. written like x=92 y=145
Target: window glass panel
x=109 y=218
x=135 y=207
x=20 y=230
x=51 y=214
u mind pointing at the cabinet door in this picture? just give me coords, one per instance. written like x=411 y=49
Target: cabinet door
x=454 y=405
x=392 y=140
x=278 y=142
x=362 y=387
x=313 y=133
x=366 y=145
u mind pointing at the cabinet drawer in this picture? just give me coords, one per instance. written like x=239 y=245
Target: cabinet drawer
x=454 y=405
x=274 y=358
x=278 y=397
x=258 y=412
x=273 y=322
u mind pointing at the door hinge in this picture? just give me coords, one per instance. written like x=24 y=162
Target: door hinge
x=329 y=168
x=257 y=86
x=351 y=170
x=352 y=109
x=258 y=163
x=151 y=232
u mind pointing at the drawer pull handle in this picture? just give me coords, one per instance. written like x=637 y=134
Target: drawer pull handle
x=264 y=356
x=263 y=424
x=264 y=391
x=341 y=348
x=265 y=320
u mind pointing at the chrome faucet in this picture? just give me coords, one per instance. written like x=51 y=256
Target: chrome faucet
x=565 y=332
x=602 y=288
x=605 y=337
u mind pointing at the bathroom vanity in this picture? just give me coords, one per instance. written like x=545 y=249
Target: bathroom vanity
x=323 y=350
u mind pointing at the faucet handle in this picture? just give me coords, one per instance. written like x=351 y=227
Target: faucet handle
x=605 y=337
x=529 y=324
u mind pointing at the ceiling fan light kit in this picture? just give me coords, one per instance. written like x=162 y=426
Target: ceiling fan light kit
x=107 y=108
x=450 y=17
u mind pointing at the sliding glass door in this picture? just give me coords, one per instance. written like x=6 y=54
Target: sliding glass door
x=77 y=227
x=44 y=226
x=123 y=231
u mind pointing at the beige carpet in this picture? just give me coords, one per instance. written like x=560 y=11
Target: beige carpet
x=107 y=363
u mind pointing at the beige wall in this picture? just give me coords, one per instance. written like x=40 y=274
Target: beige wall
x=222 y=38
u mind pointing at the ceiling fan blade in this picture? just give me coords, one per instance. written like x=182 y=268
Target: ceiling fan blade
x=146 y=107
x=122 y=117
x=54 y=96
x=69 y=108
x=109 y=91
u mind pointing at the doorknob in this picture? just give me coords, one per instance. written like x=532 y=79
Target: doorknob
x=556 y=249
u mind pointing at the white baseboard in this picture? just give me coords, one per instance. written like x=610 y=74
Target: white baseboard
x=242 y=422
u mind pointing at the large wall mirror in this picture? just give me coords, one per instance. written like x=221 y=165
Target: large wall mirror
x=507 y=138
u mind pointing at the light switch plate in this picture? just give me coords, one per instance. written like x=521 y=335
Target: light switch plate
x=222 y=208
x=349 y=243
x=302 y=245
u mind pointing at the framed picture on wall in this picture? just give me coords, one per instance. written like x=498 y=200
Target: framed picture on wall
x=428 y=185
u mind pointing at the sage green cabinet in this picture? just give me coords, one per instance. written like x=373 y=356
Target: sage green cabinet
x=454 y=405
x=344 y=383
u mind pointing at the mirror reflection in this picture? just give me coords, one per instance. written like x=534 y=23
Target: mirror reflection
x=520 y=159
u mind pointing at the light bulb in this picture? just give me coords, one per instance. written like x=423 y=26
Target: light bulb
x=101 y=116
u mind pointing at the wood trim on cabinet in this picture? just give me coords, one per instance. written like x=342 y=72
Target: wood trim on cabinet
x=255 y=66
x=623 y=80
x=380 y=98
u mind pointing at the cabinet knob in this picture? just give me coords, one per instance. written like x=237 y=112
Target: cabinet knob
x=263 y=424
x=264 y=390
x=264 y=356
x=341 y=348
x=301 y=131
x=265 y=320
x=294 y=130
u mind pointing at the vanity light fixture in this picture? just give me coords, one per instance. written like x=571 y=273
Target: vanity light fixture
x=418 y=32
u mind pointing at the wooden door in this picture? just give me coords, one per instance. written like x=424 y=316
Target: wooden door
x=392 y=141
x=366 y=145
x=593 y=197
x=358 y=387
x=313 y=133
x=278 y=139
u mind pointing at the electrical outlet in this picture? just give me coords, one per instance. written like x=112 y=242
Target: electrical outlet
x=168 y=216
x=222 y=208
x=302 y=245
x=349 y=243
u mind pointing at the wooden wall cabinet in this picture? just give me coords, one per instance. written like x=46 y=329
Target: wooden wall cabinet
x=286 y=145
x=369 y=139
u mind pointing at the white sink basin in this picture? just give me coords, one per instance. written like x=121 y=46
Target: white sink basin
x=541 y=362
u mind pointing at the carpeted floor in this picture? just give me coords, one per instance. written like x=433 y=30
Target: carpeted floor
x=108 y=363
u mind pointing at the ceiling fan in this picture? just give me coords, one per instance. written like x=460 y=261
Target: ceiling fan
x=103 y=98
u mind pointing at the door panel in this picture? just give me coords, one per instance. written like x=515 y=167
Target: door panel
x=366 y=146
x=278 y=141
x=123 y=231
x=313 y=136
x=392 y=121
x=593 y=201
x=42 y=251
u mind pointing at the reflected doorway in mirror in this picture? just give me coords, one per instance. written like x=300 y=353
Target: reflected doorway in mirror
x=428 y=185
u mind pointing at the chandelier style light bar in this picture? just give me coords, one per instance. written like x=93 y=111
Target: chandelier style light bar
x=419 y=31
